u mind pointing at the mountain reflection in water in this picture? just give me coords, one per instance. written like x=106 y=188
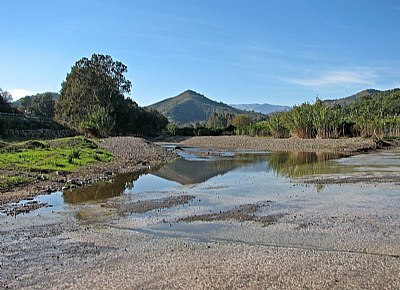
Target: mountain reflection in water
x=186 y=172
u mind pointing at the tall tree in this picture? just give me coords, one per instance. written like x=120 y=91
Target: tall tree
x=42 y=105
x=5 y=101
x=92 y=83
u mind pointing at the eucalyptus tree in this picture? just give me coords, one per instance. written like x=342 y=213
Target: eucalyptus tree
x=94 y=83
x=43 y=105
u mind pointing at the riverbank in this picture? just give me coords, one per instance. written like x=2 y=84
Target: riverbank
x=133 y=154
x=129 y=154
x=349 y=145
x=341 y=236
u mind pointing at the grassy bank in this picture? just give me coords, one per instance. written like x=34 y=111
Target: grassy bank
x=65 y=154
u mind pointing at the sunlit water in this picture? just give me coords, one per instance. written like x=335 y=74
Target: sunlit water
x=217 y=182
x=354 y=217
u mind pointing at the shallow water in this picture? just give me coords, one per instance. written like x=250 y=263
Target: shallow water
x=226 y=170
x=219 y=182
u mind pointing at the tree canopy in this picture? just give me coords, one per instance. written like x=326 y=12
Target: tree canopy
x=92 y=98
x=42 y=105
x=5 y=101
x=92 y=83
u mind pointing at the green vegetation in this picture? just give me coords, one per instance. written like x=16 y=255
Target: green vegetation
x=5 y=102
x=65 y=154
x=370 y=114
x=376 y=115
x=92 y=101
x=297 y=164
x=189 y=108
x=11 y=181
x=39 y=105
x=42 y=106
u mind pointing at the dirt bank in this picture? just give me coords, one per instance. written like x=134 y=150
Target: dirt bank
x=345 y=237
x=130 y=154
x=269 y=144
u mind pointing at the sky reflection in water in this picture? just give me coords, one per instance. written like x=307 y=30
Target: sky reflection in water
x=229 y=170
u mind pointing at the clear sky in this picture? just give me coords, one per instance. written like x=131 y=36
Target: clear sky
x=234 y=51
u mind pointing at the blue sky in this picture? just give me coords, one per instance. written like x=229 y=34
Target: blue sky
x=234 y=51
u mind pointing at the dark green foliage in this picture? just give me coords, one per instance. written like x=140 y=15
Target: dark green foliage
x=92 y=100
x=92 y=83
x=374 y=115
x=42 y=106
x=220 y=120
x=5 y=102
x=3 y=127
x=100 y=122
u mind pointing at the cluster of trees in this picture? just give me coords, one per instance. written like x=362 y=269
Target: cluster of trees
x=224 y=120
x=92 y=100
x=5 y=102
x=224 y=123
x=40 y=105
x=377 y=115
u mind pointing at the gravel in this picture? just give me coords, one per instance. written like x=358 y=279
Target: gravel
x=270 y=144
x=337 y=240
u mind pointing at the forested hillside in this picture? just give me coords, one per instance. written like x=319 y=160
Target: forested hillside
x=192 y=107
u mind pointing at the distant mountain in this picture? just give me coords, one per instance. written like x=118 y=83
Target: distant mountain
x=192 y=107
x=347 y=100
x=262 y=108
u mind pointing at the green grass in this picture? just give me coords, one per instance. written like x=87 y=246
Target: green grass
x=10 y=181
x=67 y=154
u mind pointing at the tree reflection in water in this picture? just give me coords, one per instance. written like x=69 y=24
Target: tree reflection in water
x=187 y=172
x=296 y=164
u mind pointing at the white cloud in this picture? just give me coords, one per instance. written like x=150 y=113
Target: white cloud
x=337 y=78
x=20 y=93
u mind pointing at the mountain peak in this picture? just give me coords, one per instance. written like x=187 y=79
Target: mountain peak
x=191 y=107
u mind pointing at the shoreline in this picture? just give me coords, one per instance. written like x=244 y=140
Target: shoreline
x=132 y=154
x=343 y=237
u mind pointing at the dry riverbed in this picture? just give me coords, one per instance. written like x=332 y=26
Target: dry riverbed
x=347 y=237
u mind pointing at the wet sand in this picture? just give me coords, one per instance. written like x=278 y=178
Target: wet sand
x=345 y=237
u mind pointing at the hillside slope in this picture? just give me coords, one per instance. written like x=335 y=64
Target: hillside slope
x=192 y=107
x=347 y=100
